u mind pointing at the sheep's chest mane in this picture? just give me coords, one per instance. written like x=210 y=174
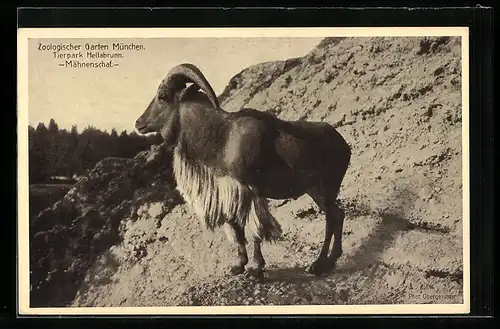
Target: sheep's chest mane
x=215 y=198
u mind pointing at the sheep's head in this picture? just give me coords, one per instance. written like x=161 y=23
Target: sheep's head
x=162 y=114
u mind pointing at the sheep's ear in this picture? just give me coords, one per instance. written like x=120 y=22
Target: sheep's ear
x=188 y=91
x=168 y=92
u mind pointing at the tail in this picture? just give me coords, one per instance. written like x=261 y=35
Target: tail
x=262 y=223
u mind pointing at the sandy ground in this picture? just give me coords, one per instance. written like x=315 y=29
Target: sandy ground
x=176 y=265
x=397 y=101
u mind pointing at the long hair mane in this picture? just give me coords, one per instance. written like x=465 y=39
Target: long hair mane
x=217 y=199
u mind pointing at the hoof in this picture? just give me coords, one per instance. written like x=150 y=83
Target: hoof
x=256 y=273
x=319 y=268
x=236 y=270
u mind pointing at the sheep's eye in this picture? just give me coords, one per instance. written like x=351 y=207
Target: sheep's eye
x=162 y=100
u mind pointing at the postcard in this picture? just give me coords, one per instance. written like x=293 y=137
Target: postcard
x=243 y=171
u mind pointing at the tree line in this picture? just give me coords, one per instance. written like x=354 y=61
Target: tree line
x=58 y=152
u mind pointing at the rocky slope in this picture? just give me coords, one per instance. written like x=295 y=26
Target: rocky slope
x=397 y=101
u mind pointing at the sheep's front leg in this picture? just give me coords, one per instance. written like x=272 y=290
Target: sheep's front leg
x=236 y=234
x=259 y=263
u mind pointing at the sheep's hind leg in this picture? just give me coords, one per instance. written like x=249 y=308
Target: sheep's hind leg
x=335 y=218
x=236 y=234
x=338 y=223
x=334 y=225
x=323 y=264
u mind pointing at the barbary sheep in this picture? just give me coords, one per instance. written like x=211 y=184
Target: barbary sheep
x=227 y=164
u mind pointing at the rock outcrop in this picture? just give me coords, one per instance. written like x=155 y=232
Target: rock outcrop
x=67 y=238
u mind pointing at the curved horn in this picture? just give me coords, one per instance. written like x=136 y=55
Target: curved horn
x=181 y=74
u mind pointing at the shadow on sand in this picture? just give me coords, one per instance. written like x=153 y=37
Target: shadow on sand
x=289 y=275
x=393 y=220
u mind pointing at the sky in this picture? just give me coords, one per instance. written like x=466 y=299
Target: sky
x=114 y=97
